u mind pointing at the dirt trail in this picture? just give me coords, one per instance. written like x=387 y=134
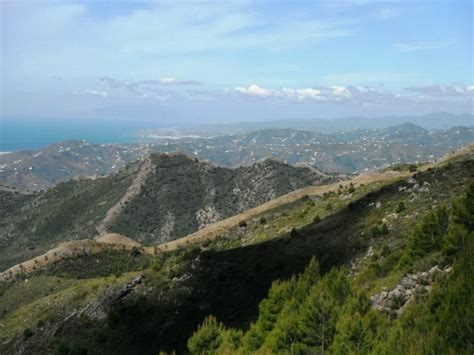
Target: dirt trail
x=118 y=242
x=466 y=150
x=72 y=249
x=145 y=169
x=231 y=222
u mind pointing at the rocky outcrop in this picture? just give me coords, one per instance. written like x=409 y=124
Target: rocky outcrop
x=98 y=308
x=395 y=301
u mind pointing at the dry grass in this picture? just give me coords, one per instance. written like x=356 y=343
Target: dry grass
x=223 y=226
x=119 y=242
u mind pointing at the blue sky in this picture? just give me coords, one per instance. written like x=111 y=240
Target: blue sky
x=242 y=60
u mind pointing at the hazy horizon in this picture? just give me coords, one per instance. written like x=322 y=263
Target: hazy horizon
x=206 y=62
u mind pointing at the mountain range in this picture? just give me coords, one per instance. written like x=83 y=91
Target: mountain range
x=155 y=199
x=352 y=262
x=433 y=121
x=352 y=151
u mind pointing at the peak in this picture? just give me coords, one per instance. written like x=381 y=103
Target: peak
x=176 y=158
x=270 y=161
x=407 y=127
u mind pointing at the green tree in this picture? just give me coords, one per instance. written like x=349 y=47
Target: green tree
x=358 y=327
x=269 y=310
x=318 y=319
x=463 y=209
x=428 y=235
x=208 y=337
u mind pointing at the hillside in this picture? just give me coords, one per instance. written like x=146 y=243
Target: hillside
x=118 y=302
x=347 y=151
x=159 y=198
x=42 y=168
x=183 y=195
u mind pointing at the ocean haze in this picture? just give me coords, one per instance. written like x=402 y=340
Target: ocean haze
x=31 y=133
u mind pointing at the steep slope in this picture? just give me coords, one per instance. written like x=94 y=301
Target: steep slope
x=144 y=311
x=182 y=195
x=68 y=211
x=161 y=197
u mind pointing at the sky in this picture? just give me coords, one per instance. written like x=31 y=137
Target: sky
x=203 y=61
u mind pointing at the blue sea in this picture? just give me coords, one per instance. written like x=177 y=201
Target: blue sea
x=31 y=133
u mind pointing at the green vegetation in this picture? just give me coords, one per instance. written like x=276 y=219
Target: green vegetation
x=99 y=265
x=309 y=314
x=70 y=210
x=253 y=281
x=192 y=194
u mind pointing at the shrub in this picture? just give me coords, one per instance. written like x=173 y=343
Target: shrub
x=27 y=333
x=158 y=263
x=242 y=224
x=401 y=207
x=135 y=252
x=380 y=229
x=263 y=220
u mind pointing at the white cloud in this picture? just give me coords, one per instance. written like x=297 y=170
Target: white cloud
x=444 y=90
x=177 y=82
x=254 y=90
x=151 y=89
x=315 y=94
x=421 y=46
x=440 y=96
x=102 y=94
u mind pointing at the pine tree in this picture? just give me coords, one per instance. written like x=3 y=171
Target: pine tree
x=208 y=337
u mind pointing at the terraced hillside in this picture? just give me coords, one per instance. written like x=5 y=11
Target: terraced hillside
x=90 y=306
x=159 y=198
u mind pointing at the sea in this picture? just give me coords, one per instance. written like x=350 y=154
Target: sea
x=30 y=133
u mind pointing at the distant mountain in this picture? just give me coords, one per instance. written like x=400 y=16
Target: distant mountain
x=344 y=152
x=440 y=120
x=351 y=152
x=41 y=168
x=157 y=198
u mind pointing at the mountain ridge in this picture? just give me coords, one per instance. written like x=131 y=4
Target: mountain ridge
x=162 y=196
x=105 y=302
x=345 y=152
